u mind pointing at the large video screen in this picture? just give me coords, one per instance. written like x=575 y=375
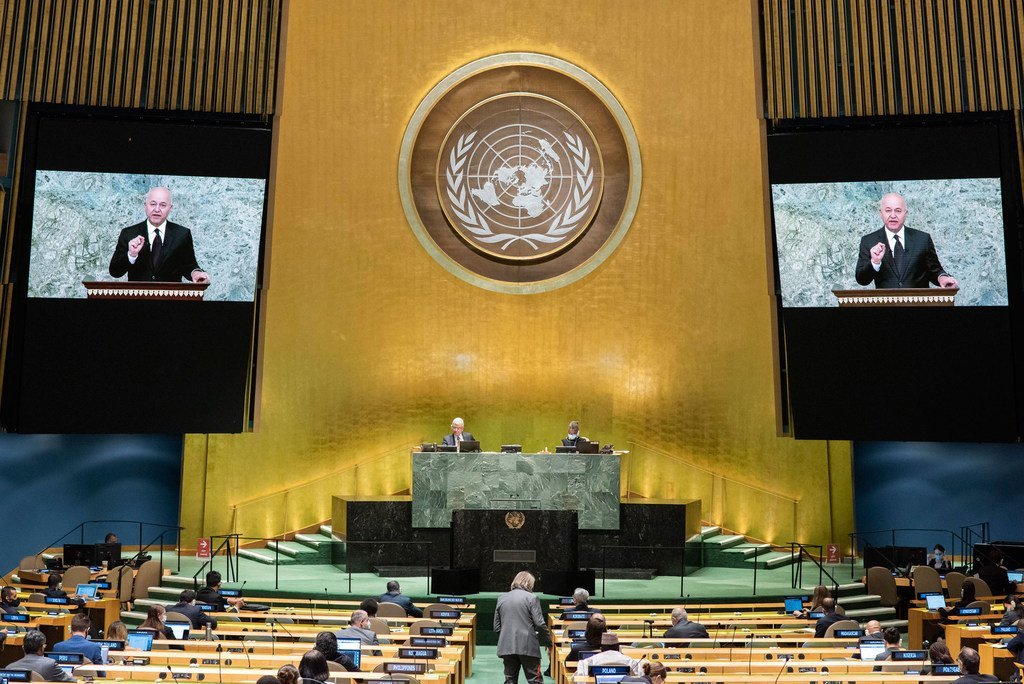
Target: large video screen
x=136 y=272
x=950 y=230
x=875 y=211
x=78 y=218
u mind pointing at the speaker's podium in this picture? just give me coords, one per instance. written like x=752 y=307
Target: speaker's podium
x=502 y=542
x=120 y=289
x=905 y=296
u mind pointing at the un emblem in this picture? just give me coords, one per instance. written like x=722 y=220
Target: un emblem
x=520 y=173
x=514 y=520
x=522 y=177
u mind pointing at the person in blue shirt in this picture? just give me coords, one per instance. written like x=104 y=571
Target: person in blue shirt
x=79 y=641
x=395 y=595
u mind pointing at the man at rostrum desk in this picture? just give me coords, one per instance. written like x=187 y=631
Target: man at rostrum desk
x=895 y=256
x=458 y=434
x=157 y=250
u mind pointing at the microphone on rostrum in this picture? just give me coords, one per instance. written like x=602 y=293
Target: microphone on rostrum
x=750 y=654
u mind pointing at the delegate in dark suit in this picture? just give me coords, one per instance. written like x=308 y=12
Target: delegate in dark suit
x=177 y=258
x=921 y=263
x=686 y=629
x=47 y=668
x=79 y=644
x=824 y=622
x=196 y=615
x=449 y=440
x=400 y=599
x=518 y=621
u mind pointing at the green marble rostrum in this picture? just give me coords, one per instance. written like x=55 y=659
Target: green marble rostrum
x=443 y=482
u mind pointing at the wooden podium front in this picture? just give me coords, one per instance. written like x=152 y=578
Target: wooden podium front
x=907 y=296
x=119 y=289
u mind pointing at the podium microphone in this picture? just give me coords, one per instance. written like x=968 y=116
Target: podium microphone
x=782 y=669
x=220 y=664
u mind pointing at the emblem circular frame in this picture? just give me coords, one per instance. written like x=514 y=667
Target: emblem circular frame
x=629 y=193
x=583 y=214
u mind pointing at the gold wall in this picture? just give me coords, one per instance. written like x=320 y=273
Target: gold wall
x=666 y=349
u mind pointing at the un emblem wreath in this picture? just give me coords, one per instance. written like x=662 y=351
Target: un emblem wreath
x=523 y=189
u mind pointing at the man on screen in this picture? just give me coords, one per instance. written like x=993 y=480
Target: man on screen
x=895 y=256
x=157 y=250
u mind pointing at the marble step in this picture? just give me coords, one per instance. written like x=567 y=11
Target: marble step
x=748 y=550
x=773 y=559
x=266 y=556
x=849 y=589
x=725 y=541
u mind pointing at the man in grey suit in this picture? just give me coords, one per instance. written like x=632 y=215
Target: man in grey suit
x=34 y=660
x=359 y=628
x=520 y=626
x=682 y=628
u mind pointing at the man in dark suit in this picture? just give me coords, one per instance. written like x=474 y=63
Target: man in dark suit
x=970 y=662
x=34 y=660
x=574 y=435
x=396 y=596
x=682 y=628
x=896 y=256
x=186 y=605
x=830 y=618
x=79 y=641
x=157 y=250
x=458 y=434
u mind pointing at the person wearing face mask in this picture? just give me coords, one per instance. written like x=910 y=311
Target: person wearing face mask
x=9 y=601
x=937 y=559
x=574 y=435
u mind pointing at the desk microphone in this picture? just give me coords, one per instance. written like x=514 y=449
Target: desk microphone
x=220 y=664
x=781 y=669
x=750 y=654
x=245 y=650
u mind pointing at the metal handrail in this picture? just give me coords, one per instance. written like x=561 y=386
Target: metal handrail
x=213 y=554
x=796 y=573
x=966 y=540
x=80 y=527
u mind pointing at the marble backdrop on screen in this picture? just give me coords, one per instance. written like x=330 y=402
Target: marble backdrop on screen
x=818 y=227
x=77 y=217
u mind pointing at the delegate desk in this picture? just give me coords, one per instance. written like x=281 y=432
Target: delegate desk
x=443 y=482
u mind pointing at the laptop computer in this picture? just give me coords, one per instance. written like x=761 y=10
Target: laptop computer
x=935 y=601
x=469 y=445
x=351 y=648
x=179 y=629
x=871 y=648
x=588 y=447
x=87 y=591
x=793 y=604
x=1015 y=576
x=139 y=640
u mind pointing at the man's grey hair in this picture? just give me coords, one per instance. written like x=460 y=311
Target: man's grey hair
x=458 y=421
x=170 y=194
x=523 y=580
x=678 y=615
x=581 y=595
x=357 y=617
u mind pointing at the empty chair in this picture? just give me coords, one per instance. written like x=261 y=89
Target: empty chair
x=125 y=585
x=148 y=576
x=390 y=610
x=926 y=580
x=32 y=562
x=985 y=606
x=408 y=679
x=840 y=610
x=79 y=574
x=883 y=584
x=415 y=627
x=954 y=583
x=379 y=626
x=842 y=624
x=36 y=597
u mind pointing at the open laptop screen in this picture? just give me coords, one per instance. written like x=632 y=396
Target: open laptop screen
x=935 y=601
x=140 y=640
x=86 y=590
x=794 y=604
x=180 y=629
x=871 y=648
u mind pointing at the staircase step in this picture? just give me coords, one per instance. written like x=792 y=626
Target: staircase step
x=774 y=559
x=865 y=614
x=748 y=550
x=265 y=556
x=147 y=602
x=850 y=589
x=168 y=593
x=710 y=531
x=314 y=540
x=725 y=541
x=291 y=549
x=327 y=531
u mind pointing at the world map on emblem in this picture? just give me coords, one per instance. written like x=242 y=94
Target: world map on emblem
x=520 y=177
